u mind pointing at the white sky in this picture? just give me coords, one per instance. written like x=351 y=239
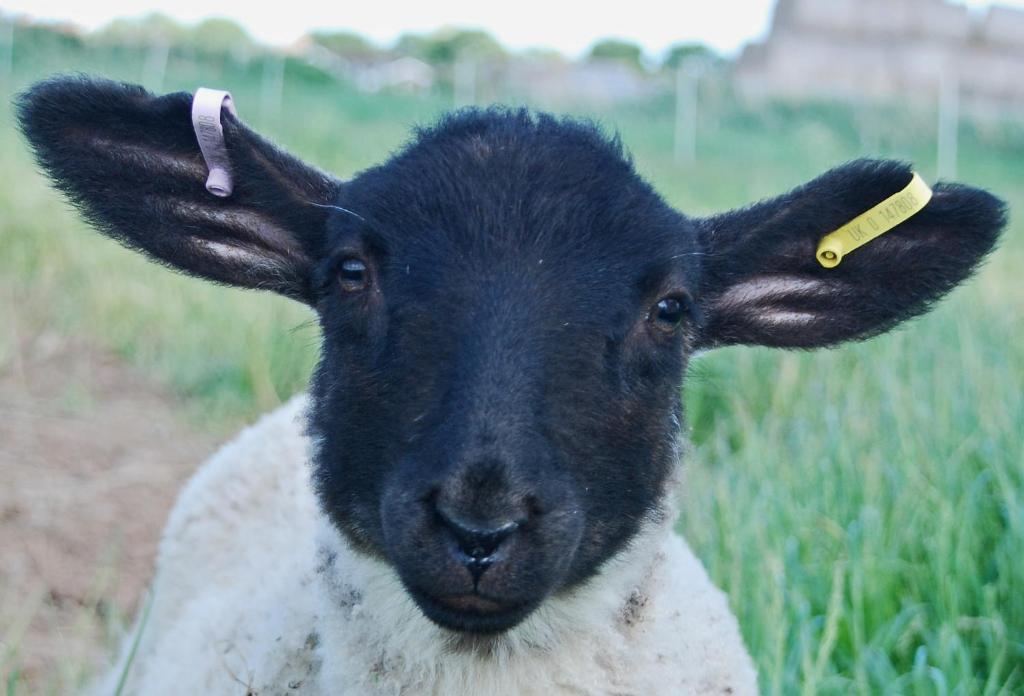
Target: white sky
x=569 y=27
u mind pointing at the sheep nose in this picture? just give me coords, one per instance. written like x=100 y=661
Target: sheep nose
x=477 y=542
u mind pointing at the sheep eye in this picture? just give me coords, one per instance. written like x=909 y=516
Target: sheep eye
x=670 y=312
x=353 y=275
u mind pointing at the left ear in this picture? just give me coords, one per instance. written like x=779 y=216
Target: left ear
x=131 y=162
x=762 y=284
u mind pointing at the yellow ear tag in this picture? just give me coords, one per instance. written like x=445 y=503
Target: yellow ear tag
x=897 y=208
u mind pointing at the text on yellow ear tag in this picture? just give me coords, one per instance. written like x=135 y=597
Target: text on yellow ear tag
x=895 y=209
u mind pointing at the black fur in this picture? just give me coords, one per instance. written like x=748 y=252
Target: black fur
x=891 y=279
x=131 y=163
x=504 y=362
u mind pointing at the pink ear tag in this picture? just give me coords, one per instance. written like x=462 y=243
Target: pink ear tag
x=206 y=108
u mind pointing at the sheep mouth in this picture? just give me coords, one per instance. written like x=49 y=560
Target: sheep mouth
x=471 y=612
x=473 y=603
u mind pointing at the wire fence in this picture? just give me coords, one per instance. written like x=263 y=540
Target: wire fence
x=698 y=93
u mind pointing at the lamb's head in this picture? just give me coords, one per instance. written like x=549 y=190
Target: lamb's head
x=507 y=313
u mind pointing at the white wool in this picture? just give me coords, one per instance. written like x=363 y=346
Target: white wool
x=256 y=592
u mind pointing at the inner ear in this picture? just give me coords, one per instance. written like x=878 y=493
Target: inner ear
x=132 y=164
x=763 y=282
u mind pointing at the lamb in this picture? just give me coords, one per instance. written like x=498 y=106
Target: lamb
x=477 y=494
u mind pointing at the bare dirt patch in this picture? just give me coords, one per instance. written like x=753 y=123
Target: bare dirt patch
x=92 y=456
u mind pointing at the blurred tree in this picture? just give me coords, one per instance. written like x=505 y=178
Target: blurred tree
x=346 y=44
x=546 y=55
x=220 y=33
x=211 y=36
x=50 y=39
x=414 y=45
x=446 y=46
x=138 y=31
x=617 y=50
x=680 y=52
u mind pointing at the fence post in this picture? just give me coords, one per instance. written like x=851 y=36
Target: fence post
x=949 y=122
x=686 y=113
x=156 y=65
x=465 y=82
x=6 y=47
x=273 y=85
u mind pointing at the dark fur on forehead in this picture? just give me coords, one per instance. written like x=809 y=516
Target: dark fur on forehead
x=508 y=187
x=520 y=138
x=520 y=167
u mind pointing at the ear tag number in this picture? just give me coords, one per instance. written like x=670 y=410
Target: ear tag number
x=895 y=209
x=206 y=108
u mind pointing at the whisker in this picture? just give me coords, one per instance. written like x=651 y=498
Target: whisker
x=338 y=208
x=304 y=326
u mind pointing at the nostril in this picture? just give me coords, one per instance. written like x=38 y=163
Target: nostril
x=478 y=541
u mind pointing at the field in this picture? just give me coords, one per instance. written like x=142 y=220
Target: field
x=863 y=507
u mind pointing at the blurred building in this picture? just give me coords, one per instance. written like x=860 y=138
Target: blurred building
x=889 y=50
x=555 y=80
x=369 y=73
x=403 y=73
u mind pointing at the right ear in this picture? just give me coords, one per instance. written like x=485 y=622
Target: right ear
x=130 y=161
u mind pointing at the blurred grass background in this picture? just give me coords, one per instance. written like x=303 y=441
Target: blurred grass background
x=862 y=507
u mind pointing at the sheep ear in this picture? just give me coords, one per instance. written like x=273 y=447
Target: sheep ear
x=762 y=283
x=130 y=161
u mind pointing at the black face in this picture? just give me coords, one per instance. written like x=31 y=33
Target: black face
x=507 y=310
x=498 y=398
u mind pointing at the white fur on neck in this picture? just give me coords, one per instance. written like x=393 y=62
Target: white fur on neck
x=258 y=591
x=376 y=640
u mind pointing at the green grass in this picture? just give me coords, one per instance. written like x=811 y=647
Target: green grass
x=863 y=507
